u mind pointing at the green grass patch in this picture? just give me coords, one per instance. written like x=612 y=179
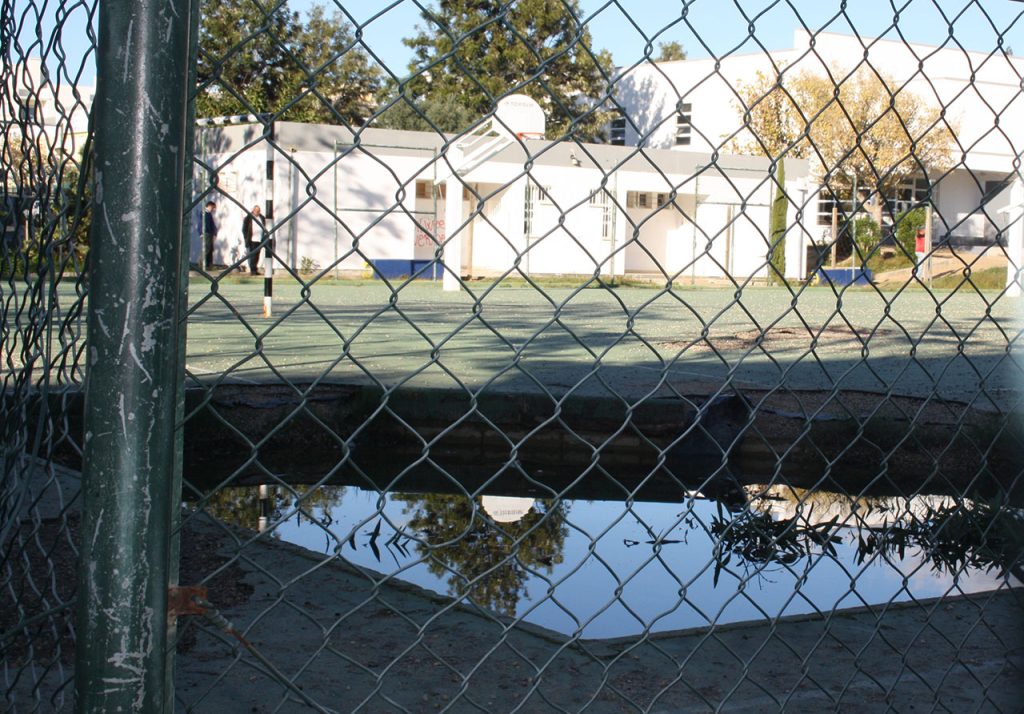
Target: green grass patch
x=987 y=279
x=878 y=263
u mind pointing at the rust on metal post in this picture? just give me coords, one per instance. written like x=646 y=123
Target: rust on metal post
x=183 y=600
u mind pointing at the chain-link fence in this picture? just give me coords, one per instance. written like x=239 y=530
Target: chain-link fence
x=507 y=373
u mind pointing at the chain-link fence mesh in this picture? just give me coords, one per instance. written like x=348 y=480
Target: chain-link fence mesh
x=45 y=215
x=705 y=395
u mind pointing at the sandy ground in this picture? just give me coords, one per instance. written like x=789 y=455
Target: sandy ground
x=342 y=640
x=946 y=263
x=349 y=643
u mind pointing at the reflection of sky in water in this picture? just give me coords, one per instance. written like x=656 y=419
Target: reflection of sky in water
x=665 y=590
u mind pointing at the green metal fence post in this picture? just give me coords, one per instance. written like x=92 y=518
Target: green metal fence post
x=131 y=390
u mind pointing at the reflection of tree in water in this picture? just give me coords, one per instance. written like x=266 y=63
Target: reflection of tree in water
x=759 y=540
x=240 y=505
x=952 y=537
x=485 y=560
x=973 y=534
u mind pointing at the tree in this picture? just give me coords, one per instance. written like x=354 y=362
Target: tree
x=907 y=225
x=473 y=52
x=487 y=561
x=273 y=62
x=46 y=203
x=772 y=125
x=867 y=127
x=342 y=82
x=860 y=129
x=866 y=235
x=445 y=114
x=670 y=52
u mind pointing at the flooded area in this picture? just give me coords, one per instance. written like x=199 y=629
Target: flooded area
x=612 y=568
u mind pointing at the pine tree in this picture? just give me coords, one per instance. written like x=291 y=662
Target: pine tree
x=670 y=52
x=473 y=52
x=253 y=61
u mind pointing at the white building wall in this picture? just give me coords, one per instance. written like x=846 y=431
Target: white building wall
x=651 y=94
x=962 y=213
x=239 y=186
x=497 y=230
x=56 y=112
x=369 y=198
x=981 y=94
x=648 y=236
x=345 y=211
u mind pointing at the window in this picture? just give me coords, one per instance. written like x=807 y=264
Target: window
x=638 y=199
x=423 y=189
x=684 y=124
x=602 y=199
x=607 y=223
x=826 y=201
x=908 y=195
x=993 y=189
x=443 y=192
x=535 y=194
x=617 y=131
x=646 y=199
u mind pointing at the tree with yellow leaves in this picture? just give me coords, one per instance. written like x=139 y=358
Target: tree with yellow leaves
x=867 y=127
x=859 y=128
x=774 y=125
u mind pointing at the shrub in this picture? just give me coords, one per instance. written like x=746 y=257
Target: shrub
x=907 y=226
x=865 y=231
x=308 y=265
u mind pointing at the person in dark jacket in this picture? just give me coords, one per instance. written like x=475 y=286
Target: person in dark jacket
x=253 y=223
x=209 y=233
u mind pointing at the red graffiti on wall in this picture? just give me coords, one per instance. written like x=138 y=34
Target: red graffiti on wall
x=430 y=233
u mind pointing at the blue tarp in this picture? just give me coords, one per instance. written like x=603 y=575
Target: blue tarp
x=391 y=268
x=844 y=276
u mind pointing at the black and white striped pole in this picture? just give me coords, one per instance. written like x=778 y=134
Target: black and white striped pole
x=268 y=224
x=268 y=191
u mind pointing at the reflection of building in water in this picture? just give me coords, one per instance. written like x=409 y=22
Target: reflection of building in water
x=506 y=509
x=817 y=507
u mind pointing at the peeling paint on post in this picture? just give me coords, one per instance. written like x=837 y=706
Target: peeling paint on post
x=131 y=390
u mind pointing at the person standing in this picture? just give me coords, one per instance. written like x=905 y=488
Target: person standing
x=209 y=233
x=253 y=218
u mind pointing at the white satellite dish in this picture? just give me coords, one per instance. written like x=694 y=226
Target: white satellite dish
x=520 y=116
x=506 y=509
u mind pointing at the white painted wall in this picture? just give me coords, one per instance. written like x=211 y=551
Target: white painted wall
x=57 y=111
x=981 y=94
x=650 y=93
x=345 y=212
x=960 y=210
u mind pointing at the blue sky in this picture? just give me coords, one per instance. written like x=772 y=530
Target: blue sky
x=720 y=26
x=710 y=27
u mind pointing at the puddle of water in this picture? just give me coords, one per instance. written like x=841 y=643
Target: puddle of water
x=608 y=569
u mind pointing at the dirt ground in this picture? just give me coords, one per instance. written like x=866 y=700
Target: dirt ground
x=323 y=636
x=349 y=643
x=945 y=262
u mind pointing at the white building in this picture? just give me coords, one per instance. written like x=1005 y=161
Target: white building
x=45 y=122
x=691 y=105
x=377 y=202
x=50 y=113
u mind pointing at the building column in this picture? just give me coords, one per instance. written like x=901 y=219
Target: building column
x=451 y=252
x=619 y=224
x=796 y=236
x=1015 y=239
